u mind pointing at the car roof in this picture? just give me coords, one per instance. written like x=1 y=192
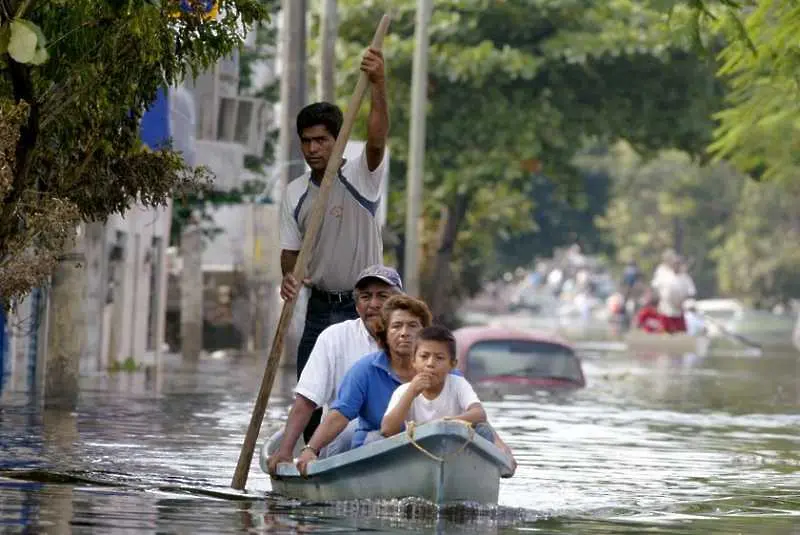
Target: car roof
x=467 y=336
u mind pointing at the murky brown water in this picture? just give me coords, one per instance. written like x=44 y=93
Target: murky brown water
x=653 y=445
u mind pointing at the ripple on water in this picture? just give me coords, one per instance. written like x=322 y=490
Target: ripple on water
x=664 y=445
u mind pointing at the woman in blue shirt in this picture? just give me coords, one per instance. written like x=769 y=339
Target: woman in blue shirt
x=367 y=387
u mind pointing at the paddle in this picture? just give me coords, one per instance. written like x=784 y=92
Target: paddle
x=310 y=238
x=724 y=330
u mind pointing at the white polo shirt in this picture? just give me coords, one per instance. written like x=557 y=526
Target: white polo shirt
x=338 y=347
x=349 y=239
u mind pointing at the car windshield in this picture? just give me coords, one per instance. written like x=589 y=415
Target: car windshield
x=522 y=358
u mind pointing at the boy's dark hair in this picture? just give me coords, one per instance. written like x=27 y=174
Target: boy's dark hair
x=324 y=113
x=438 y=333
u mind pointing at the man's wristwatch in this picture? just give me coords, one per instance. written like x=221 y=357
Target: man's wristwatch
x=314 y=451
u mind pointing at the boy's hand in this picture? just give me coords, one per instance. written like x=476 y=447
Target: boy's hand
x=421 y=381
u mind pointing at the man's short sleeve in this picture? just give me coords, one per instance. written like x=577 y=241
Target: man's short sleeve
x=367 y=183
x=353 y=391
x=466 y=394
x=316 y=381
x=290 y=236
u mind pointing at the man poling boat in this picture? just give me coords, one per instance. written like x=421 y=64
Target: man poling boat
x=672 y=286
x=343 y=207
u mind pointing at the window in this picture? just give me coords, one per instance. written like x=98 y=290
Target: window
x=522 y=358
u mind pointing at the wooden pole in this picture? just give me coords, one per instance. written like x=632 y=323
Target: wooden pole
x=310 y=238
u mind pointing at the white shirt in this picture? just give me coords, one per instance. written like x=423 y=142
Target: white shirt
x=454 y=399
x=673 y=289
x=338 y=347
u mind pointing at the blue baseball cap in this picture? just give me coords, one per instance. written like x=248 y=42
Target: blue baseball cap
x=383 y=273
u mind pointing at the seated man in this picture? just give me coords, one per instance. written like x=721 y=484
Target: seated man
x=369 y=384
x=336 y=349
x=648 y=318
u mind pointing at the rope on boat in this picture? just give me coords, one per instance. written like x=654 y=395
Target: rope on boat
x=411 y=427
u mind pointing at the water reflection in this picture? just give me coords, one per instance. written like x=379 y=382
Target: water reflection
x=654 y=444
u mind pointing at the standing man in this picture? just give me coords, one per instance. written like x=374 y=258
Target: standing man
x=349 y=239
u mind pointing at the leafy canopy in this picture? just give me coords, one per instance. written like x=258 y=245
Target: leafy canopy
x=70 y=104
x=517 y=85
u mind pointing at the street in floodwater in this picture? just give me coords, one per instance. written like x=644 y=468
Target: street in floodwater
x=653 y=445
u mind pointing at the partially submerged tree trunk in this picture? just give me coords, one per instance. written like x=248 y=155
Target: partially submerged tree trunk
x=66 y=331
x=440 y=279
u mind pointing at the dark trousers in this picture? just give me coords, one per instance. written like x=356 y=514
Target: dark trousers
x=324 y=309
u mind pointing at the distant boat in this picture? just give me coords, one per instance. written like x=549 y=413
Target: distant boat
x=638 y=341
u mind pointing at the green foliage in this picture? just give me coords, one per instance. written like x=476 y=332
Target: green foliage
x=197 y=207
x=76 y=154
x=759 y=128
x=760 y=259
x=668 y=202
x=522 y=80
x=128 y=365
x=558 y=222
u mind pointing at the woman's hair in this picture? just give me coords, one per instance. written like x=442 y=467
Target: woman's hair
x=411 y=305
x=438 y=333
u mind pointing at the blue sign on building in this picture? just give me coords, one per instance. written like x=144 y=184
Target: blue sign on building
x=154 y=128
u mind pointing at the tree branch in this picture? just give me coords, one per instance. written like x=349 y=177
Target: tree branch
x=22 y=8
x=29 y=133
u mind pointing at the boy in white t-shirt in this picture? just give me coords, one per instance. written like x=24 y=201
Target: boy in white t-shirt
x=435 y=393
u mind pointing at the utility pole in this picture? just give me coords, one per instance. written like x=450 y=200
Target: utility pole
x=416 y=144
x=293 y=85
x=326 y=81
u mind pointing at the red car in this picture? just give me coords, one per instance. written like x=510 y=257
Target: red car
x=496 y=355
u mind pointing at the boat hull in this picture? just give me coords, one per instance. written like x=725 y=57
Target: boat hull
x=671 y=344
x=468 y=469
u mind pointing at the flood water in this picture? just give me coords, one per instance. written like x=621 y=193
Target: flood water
x=654 y=445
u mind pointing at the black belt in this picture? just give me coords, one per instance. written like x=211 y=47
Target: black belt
x=331 y=297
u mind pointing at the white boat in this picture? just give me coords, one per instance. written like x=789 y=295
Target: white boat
x=638 y=341
x=444 y=462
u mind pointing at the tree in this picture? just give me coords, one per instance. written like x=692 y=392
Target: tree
x=199 y=205
x=77 y=76
x=756 y=45
x=669 y=201
x=760 y=258
x=559 y=222
x=759 y=127
x=522 y=80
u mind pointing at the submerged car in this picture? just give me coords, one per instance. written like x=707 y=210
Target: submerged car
x=497 y=355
